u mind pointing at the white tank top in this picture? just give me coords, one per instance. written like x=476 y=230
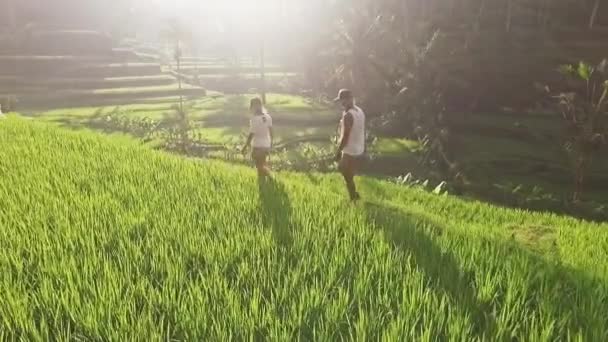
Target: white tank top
x=356 y=142
x=260 y=128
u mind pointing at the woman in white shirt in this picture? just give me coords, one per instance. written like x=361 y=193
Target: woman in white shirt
x=260 y=137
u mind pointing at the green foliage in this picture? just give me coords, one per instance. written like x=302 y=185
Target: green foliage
x=8 y=103
x=393 y=146
x=533 y=197
x=125 y=122
x=584 y=71
x=395 y=61
x=305 y=157
x=584 y=109
x=302 y=157
x=106 y=240
x=536 y=198
x=410 y=181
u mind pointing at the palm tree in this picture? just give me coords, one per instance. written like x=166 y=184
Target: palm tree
x=263 y=69
x=11 y=11
x=509 y=15
x=176 y=36
x=594 y=12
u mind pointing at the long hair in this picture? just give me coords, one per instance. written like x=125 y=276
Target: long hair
x=256 y=102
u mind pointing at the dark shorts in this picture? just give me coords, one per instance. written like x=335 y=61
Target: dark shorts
x=259 y=154
x=350 y=163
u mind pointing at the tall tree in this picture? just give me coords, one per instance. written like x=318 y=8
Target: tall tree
x=176 y=36
x=11 y=12
x=509 y=15
x=263 y=69
x=596 y=8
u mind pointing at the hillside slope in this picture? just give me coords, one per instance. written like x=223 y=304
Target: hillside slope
x=104 y=239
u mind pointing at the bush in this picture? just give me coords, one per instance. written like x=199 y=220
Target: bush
x=584 y=109
x=38 y=66
x=123 y=121
x=443 y=188
x=7 y=45
x=68 y=43
x=8 y=103
x=115 y=70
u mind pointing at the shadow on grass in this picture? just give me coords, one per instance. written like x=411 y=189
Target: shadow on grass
x=373 y=187
x=414 y=235
x=276 y=211
x=314 y=179
x=569 y=300
x=70 y=123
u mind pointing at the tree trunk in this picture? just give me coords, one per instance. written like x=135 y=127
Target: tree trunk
x=179 y=77
x=594 y=12
x=452 y=7
x=509 y=15
x=11 y=13
x=183 y=120
x=579 y=180
x=476 y=27
x=540 y=15
x=546 y=14
x=482 y=7
x=263 y=71
x=582 y=163
x=405 y=22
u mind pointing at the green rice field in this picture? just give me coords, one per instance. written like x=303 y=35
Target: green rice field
x=103 y=238
x=222 y=118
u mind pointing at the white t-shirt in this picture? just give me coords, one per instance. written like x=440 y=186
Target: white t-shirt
x=356 y=141
x=260 y=128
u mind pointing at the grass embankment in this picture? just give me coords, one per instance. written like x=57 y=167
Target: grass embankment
x=104 y=239
x=225 y=119
x=222 y=118
x=523 y=149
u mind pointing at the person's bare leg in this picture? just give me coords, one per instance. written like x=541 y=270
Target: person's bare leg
x=266 y=167
x=351 y=182
x=346 y=169
x=265 y=171
x=262 y=167
x=352 y=188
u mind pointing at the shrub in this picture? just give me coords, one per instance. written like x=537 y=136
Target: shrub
x=584 y=109
x=68 y=43
x=8 y=103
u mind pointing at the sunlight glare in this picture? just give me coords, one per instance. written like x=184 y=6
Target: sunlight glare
x=247 y=15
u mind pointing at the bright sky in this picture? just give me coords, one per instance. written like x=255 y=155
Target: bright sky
x=235 y=7
x=244 y=14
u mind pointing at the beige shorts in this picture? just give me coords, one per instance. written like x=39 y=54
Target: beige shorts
x=259 y=154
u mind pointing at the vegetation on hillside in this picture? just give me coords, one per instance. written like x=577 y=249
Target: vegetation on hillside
x=585 y=110
x=426 y=70
x=144 y=234
x=103 y=239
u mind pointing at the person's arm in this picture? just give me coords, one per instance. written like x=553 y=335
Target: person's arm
x=270 y=132
x=248 y=143
x=348 y=125
x=271 y=136
x=249 y=138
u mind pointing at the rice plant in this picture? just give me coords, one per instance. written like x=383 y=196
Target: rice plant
x=109 y=240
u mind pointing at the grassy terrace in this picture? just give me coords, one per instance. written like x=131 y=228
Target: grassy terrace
x=105 y=239
x=223 y=118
